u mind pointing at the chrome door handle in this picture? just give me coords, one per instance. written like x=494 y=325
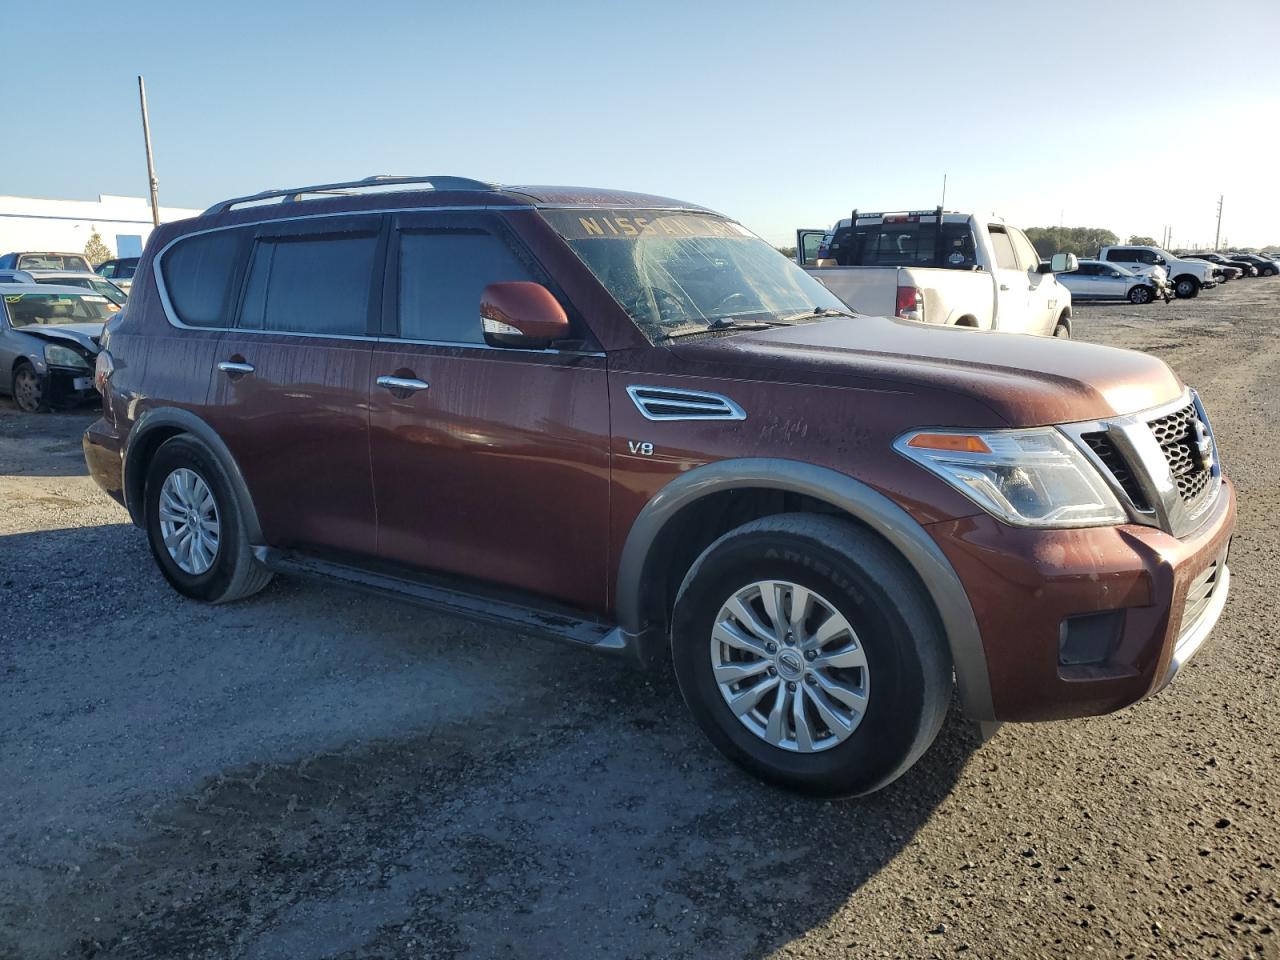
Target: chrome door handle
x=402 y=383
x=1004 y=286
x=230 y=366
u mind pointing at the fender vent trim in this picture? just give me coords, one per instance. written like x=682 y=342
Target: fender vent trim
x=667 y=403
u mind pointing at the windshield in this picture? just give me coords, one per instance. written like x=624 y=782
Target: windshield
x=54 y=261
x=103 y=287
x=669 y=270
x=51 y=309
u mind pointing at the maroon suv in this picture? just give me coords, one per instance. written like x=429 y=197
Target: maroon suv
x=627 y=422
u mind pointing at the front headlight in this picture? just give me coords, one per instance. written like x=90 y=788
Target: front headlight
x=1027 y=478
x=57 y=356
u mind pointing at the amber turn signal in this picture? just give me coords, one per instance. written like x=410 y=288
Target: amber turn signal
x=961 y=442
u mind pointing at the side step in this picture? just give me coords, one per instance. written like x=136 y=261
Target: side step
x=542 y=621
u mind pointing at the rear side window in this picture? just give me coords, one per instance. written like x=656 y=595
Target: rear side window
x=319 y=285
x=201 y=276
x=1003 y=248
x=443 y=273
x=1122 y=256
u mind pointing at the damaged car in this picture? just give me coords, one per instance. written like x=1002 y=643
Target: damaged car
x=49 y=341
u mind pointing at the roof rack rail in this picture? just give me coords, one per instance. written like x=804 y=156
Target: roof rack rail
x=347 y=187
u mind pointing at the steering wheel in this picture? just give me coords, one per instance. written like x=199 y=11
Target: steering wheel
x=669 y=305
x=729 y=299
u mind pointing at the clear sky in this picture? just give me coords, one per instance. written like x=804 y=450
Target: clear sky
x=779 y=114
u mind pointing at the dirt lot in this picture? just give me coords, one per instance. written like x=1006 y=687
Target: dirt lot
x=313 y=774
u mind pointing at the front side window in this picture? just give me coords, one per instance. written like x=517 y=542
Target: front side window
x=442 y=275
x=673 y=269
x=1027 y=255
x=310 y=284
x=54 y=309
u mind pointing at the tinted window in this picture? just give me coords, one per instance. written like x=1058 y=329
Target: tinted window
x=317 y=285
x=1087 y=270
x=904 y=243
x=442 y=274
x=1005 y=259
x=201 y=276
x=107 y=270
x=53 y=261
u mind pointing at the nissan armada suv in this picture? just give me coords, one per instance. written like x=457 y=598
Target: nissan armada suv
x=627 y=422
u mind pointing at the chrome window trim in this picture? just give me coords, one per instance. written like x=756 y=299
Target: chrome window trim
x=166 y=304
x=1132 y=436
x=712 y=401
x=469 y=345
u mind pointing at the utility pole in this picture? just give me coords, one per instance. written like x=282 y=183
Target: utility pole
x=943 y=204
x=151 y=164
x=1218 y=233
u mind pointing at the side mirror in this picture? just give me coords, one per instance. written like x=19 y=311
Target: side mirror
x=1064 y=263
x=521 y=314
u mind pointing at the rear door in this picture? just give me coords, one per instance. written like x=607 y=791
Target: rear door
x=291 y=388
x=489 y=463
x=1011 y=283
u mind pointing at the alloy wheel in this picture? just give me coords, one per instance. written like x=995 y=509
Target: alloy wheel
x=790 y=666
x=189 y=523
x=28 y=391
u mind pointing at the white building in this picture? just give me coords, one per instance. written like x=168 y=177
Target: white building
x=64 y=226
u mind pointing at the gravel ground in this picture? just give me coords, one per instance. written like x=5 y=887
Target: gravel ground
x=314 y=774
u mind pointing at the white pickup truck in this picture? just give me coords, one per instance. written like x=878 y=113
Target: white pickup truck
x=1187 y=277
x=940 y=267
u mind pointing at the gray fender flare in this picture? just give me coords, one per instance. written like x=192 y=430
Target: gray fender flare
x=855 y=498
x=187 y=422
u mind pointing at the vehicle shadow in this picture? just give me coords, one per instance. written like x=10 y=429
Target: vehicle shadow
x=312 y=774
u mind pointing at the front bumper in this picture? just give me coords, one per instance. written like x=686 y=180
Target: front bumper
x=64 y=386
x=1154 y=597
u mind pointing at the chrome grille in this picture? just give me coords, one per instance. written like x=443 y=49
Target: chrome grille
x=1114 y=461
x=1199 y=593
x=1176 y=435
x=665 y=403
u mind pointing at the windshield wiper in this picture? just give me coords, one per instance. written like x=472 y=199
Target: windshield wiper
x=719 y=323
x=817 y=313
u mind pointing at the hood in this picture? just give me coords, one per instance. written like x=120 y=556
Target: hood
x=1025 y=380
x=86 y=335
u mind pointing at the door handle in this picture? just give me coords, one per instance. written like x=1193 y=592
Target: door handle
x=234 y=368
x=1004 y=286
x=402 y=383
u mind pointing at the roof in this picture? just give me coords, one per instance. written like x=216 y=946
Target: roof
x=46 y=289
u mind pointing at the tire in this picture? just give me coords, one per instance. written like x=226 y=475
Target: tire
x=1140 y=294
x=1062 y=331
x=851 y=573
x=1270 y=272
x=1185 y=288
x=29 y=391
x=231 y=573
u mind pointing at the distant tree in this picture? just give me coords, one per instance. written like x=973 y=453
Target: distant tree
x=788 y=252
x=1082 y=241
x=1137 y=241
x=97 y=251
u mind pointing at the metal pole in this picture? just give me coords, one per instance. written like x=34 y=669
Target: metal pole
x=151 y=164
x=943 y=204
x=1218 y=233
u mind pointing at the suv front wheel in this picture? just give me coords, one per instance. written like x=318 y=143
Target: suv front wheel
x=1186 y=287
x=810 y=654
x=195 y=527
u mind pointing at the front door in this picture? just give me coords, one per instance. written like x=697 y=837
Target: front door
x=291 y=388
x=488 y=463
x=1011 y=283
x=1043 y=291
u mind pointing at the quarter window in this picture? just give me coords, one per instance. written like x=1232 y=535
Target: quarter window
x=310 y=284
x=201 y=276
x=442 y=274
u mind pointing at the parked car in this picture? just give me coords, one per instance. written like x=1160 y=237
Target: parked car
x=1095 y=280
x=45 y=261
x=951 y=269
x=120 y=271
x=1222 y=269
x=1265 y=267
x=1246 y=268
x=88 y=281
x=1188 y=277
x=49 y=341
x=627 y=422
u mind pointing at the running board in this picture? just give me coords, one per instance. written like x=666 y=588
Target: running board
x=541 y=621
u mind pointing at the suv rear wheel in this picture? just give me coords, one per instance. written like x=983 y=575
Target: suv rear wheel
x=195 y=527
x=1140 y=294
x=810 y=654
